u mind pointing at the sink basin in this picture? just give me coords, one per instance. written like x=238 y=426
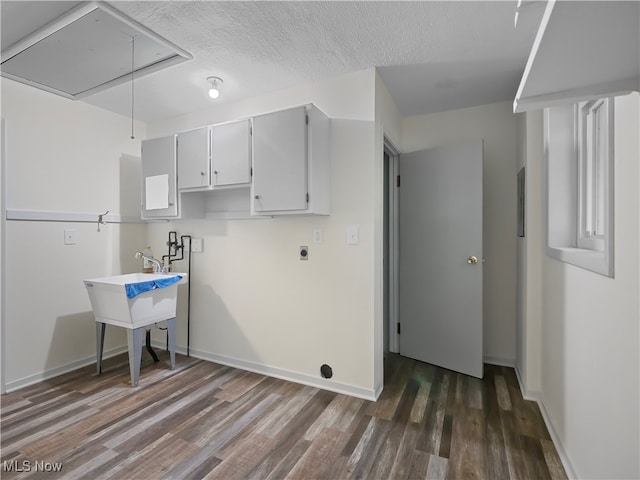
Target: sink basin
x=110 y=304
x=135 y=301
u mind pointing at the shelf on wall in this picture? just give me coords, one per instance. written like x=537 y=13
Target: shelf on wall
x=582 y=50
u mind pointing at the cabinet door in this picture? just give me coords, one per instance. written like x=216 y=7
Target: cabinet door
x=194 y=159
x=280 y=161
x=231 y=153
x=159 y=199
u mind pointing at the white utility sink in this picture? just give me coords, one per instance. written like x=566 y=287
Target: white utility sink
x=108 y=296
x=135 y=301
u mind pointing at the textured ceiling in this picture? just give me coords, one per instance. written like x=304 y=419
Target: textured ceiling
x=433 y=56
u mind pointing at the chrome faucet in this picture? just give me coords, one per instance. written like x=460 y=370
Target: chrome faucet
x=158 y=267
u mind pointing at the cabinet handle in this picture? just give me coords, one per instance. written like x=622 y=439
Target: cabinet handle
x=203 y=174
x=257 y=197
x=215 y=172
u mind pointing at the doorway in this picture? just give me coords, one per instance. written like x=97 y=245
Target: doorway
x=433 y=256
x=390 y=249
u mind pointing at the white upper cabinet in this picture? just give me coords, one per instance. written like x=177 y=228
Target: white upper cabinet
x=231 y=154
x=280 y=161
x=291 y=162
x=161 y=198
x=159 y=189
x=215 y=156
x=194 y=154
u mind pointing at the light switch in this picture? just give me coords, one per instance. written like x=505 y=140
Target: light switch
x=196 y=245
x=69 y=236
x=353 y=235
x=317 y=235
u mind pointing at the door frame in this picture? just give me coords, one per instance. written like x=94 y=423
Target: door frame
x=392 y=253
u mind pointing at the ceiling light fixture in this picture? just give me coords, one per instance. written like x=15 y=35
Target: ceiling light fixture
x=214 y=91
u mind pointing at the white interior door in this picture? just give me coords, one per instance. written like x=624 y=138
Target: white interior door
x=441 y=257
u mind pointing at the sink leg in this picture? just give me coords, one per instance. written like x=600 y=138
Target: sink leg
x=100 y=328
x=171 y=334
x=134 y=340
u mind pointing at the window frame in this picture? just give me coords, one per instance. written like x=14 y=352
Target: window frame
x=594 y=142
x=578 y=139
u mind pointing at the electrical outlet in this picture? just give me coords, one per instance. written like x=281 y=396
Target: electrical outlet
x=353 y=235
x=304 y=253
x=69 y=236
x=196 y=245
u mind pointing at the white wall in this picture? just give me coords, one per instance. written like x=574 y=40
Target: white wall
x=62 y=156
x=389 y=126
x=590 y=331
x=254 y=303
x=388 y=118
x=521 y=265
x=2 y=255
x=589 y=328
x=496 y=125
x=347 y=97
x=530 y=251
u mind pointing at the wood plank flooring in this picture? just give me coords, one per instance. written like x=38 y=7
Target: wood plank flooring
x=205 y=420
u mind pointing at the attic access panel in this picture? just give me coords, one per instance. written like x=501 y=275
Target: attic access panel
x=88 y=50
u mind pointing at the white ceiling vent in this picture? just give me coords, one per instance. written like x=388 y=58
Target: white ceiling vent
x=87 y=50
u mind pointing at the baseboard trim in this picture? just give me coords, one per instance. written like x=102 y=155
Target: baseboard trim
x=523 y=390
x=501 y=362
x=535 y=396
x=378 y=391
x=61 y=370
x=283 y=374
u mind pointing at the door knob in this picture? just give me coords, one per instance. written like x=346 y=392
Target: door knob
x=472 y=260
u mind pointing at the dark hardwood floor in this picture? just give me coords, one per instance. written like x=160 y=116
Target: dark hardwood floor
x=205 y=420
